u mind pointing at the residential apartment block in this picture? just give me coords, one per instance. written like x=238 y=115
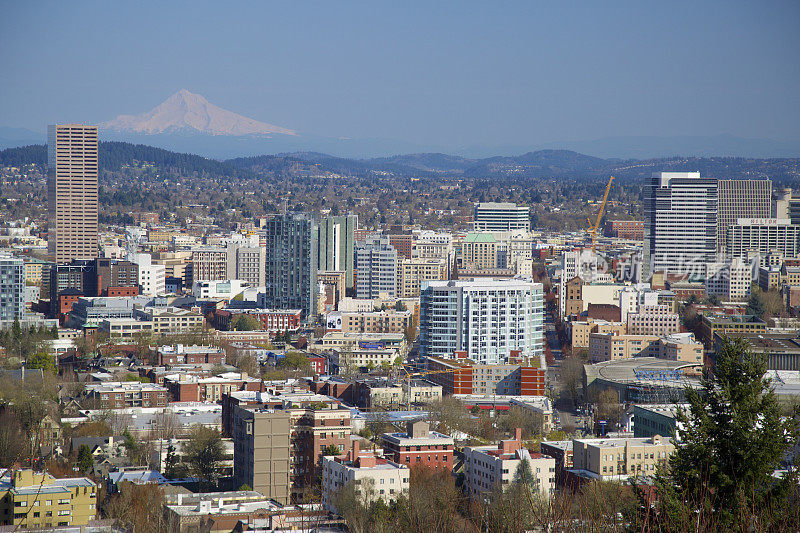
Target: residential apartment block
x=490 y=320
x=419 y=446
x=654 y=320
x=124 y=394
x=487 y=468
x=36 y=500
x=374 y=477
x=12 y=289
x=620 y=458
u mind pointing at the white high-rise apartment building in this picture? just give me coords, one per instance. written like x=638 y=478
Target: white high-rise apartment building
x=376 y=268
x=489 y=319
x=741 y=199
x=72 y=190
x=680 y=224
x=493 y=216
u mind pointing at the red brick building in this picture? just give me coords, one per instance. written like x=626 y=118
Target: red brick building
x=188 y=388
x=419 y=446
x=271 y=320
x=625 y=229
x=469 y=377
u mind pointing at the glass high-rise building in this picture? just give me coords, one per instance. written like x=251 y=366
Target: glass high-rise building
x=291 y=263
x=12 y=289
x=72 y=189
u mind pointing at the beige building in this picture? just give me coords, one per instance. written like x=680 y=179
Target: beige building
x=654 y=320
x=479 y=251
x=608 y=346
x=677 y=347
x=620 y=458
x=37 y=271
x=489 y=467
x=412 y=272
x=34 y=500
x=582 y=330
x=376 y=322
x=682 y=347
x=261 y=451
x=374 y=477
x=168 y=320
x=213 y=263
x=72 y=188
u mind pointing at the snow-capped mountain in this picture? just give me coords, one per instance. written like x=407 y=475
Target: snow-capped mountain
x=187 y=112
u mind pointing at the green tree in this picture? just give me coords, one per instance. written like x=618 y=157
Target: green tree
x=204 y=453
x=732 y=438
x=245 y=322
x=85 y=461
x=41 y=360
x=331 y=449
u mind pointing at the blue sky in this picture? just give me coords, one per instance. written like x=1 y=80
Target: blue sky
x=430 y=72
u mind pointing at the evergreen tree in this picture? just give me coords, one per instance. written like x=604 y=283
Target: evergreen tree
x=171 y=462
x=730 y=441
x=85 y=459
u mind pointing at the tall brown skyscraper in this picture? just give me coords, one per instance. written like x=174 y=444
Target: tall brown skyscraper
x=72 y=192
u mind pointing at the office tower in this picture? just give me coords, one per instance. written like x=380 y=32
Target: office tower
x=12 y=289
x=261 y=451
x=479 y=251
x=492 y=216
x=740 y=199
x=291 y=263
x=72 y=192
x=680 y=224
x=761 y=236
x=487 y=319
x=376 y=267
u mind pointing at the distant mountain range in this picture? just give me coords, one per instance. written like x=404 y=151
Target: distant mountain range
x=563 y=165
x=187 y=122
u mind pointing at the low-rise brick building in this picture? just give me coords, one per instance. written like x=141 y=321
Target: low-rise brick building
x=419 y=446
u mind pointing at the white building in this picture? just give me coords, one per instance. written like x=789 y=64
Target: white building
x=225 y=289
x=584 y=264
x=493 y=216
x=151 y=276
x=373 y=477
x=730 y=280
x=376 y=267
x=634 y=297
x=489 y=467
x=761 y=236
x=488 y=319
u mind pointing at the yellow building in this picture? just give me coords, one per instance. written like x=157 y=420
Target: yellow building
x=412 y=272
x=581 y=330
x=31 y=499
x=36 y=271
x=479 y=251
